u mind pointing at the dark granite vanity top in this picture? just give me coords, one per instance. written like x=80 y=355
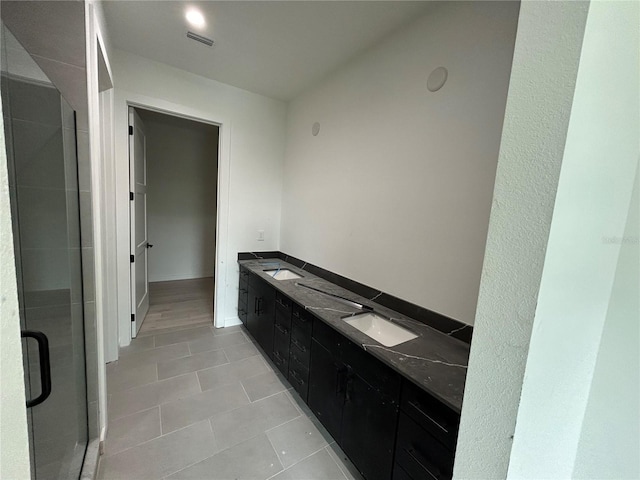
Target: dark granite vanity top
x=434 y=360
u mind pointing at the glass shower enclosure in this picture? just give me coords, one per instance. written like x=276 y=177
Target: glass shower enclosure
x=40 y=138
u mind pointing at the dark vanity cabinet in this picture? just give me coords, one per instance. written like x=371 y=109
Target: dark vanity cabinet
x=243 y=295
x=427 y=435
x=327 y=378
x=390 y=428
x=356 y=397
x=300 y=350
x=260 y=317
x=282 y=333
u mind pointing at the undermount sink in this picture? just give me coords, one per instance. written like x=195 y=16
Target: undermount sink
x=282 y=274
x=380 y=329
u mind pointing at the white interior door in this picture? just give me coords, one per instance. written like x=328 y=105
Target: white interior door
x=139 y=240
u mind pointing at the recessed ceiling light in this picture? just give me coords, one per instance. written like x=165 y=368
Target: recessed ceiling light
x=195 y=18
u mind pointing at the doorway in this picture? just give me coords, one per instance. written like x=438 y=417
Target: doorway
x=180 y=213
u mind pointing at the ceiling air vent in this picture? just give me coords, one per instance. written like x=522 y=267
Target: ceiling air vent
x=199 y=38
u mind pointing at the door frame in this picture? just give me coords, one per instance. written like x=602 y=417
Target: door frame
x=122 y=204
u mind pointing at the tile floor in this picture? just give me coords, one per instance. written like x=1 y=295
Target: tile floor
x=204 y=403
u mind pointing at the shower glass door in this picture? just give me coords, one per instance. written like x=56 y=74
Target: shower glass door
x=40 y=139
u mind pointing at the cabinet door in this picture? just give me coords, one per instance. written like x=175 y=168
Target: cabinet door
x=252 y=310
x=327 y=377
x=368 y=429
x=265 y=317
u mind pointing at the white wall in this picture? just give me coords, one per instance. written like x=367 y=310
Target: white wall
x=14 y=443
x=395 y=191
x=612 y=409
x=182 y=175
x=252 y=142
x=543 y=77
x=592 y=206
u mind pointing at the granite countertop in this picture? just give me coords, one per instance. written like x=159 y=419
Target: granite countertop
x=434 y=361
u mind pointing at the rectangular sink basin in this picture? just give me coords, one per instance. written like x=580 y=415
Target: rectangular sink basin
x=282 y=274
x=380 y=329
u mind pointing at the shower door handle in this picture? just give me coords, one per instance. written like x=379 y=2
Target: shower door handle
x=45 y=366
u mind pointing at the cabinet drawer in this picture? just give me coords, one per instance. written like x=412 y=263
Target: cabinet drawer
x=430 y=414
x=302 y=321
x=301 y=346
x=283 y=318
x=281 y=340
x=281 y=362
x=244 y=275
x=299 y=378
x=420 y=454
x=300 y=355
x=283 y=302
x=254 y=280
x=300 y=337
x=327 y=337
x=242 y=314
x=373 y=371
x=400 y=474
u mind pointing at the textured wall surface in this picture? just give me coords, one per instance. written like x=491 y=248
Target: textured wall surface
x=255 y=125
x=400 y=174
x=589 y=217
x=541 y=89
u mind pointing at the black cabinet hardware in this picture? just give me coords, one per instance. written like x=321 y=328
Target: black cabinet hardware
x=412 y=455
x=45 y=366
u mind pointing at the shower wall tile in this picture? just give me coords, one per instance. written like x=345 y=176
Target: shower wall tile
x=39 y=158
x=72 y=83
x=42 y=214
x=68 y=116
x=44 y=271
x=34 y=102
x=84 y=162
x=86 y=217
x=75 y=275
x=73 y=218
x=70 y=159
x=88 y=272
x=54 y=321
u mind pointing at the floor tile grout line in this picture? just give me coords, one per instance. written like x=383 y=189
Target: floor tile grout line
x=302 y=460
x=268 y=396
x=160 y=419
x=142 y=352
x=199 y=369
x=159 y=436
x=245 y=392
x=199 y=382
x=281 y=425
x=277 y=456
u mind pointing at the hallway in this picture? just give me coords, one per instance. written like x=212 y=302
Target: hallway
x=204 y=403
x=178 y=304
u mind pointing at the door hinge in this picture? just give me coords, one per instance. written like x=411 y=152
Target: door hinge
x=133 y=317
x=132 y=258
x=130 y=129
x=131 y=196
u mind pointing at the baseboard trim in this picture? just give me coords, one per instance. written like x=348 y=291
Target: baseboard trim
x=181 y=276
x=91 y=460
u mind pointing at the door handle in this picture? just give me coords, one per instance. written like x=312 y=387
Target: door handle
x=45 y=366
x=149 y=245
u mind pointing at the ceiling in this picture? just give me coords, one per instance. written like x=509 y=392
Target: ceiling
x=275 y=48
